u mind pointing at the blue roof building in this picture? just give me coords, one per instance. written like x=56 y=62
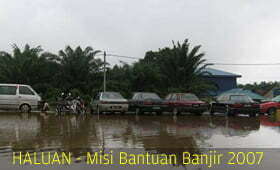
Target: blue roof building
x=223 y=80
x=249 y=93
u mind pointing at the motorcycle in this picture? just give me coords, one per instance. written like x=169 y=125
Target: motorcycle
x=65 y=107
x=69 y=105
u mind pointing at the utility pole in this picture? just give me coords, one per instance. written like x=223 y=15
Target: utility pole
x=104 y=71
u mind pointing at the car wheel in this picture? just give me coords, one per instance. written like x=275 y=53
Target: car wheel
x=159 y=112
x=25 y=108
x=198 y=113
x=91 y=111
x=272 y=111
x=252 y=115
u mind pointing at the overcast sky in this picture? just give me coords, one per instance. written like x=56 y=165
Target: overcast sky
x=230 y=31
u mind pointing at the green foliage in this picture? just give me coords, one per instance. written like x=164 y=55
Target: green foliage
x=119 y=79
x=77 y=70
x=50 y=74
x=260 y=88
x=176 y=69
x=27 y=66
x=75 y=92
x=87 y=98
x=51 y=93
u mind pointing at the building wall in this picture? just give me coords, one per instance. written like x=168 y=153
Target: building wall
x=223 y=83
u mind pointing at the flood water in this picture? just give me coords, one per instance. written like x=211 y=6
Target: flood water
x=160 y=134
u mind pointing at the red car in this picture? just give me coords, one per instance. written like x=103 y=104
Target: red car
x=185 y=102
x=271 y=106
x=234 y=103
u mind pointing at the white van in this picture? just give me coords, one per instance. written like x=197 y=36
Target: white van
x=18 y=97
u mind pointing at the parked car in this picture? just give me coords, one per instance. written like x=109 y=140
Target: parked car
x=232 y=104
x=185 y=102
x=19 y=97
x=271 y=106
x=147 y=102
x=108 y=102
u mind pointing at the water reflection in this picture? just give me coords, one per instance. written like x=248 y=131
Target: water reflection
x=162 y=134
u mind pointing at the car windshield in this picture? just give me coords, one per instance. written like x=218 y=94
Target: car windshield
x=241 y=98
x=150 y=96
x=189 y=97
x=276 y=99
x=112 y=96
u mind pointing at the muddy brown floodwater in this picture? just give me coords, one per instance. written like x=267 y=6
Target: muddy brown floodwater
x=78 y=135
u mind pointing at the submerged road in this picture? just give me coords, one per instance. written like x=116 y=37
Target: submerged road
x=164 y=135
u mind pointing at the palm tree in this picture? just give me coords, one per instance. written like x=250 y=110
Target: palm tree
x=181 y=67
x=79 y=68
x=19 y=66
x=27 y=66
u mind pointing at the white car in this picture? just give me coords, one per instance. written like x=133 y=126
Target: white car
x=109 y=102
x=18 y=97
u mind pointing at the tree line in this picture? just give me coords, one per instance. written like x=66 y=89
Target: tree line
x=78 y=70
x=262 y=87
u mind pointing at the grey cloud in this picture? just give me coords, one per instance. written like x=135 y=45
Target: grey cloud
x=232 y=31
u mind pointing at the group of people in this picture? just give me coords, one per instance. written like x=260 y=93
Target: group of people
x=66 y=102
x=69 y=103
